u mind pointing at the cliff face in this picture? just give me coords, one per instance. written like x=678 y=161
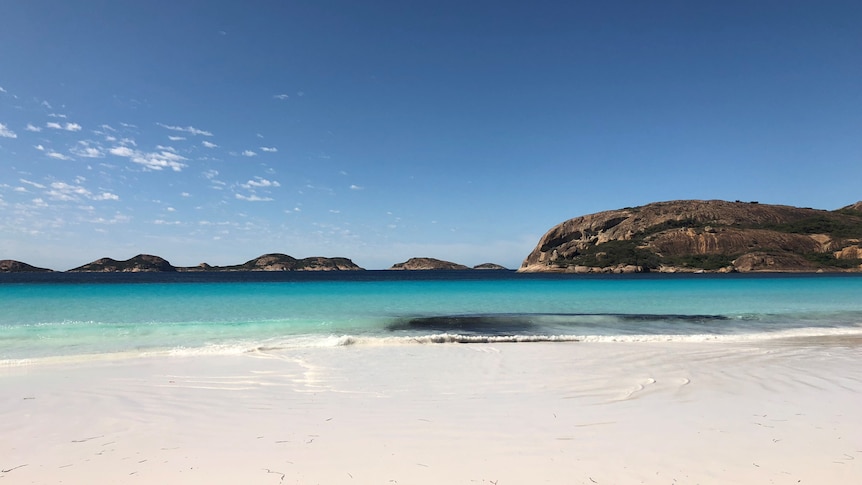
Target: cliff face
x=426 y=264
x=12 y=266
x=702 y=235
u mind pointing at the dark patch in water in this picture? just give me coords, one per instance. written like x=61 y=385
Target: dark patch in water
x=505 y=324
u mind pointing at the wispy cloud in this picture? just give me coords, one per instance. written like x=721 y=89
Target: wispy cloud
x=176 y=138
x=269 y=149
x=33 y=128
x=253 y=198
x=34 y=184
x=57 y=115
x=249 y=153
x=356 y=187
x=67 y=192
x=281 y=97
x=84 y=150
x=186 y=129
x=260 y=182
x=56 y=155
x=208 y=144
x=61 y=126
x=2 y=90
x=5 y=132
x=151 y=160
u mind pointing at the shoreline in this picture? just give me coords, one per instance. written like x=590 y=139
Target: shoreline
x=529 y=413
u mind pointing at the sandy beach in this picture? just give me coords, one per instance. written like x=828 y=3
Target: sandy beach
x=562 y=413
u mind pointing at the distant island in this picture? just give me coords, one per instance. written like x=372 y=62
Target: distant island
x=671 y=237
x=703 y=236
x=420 y=264
x=147 y=263
x=267 y=262
x=12 y=266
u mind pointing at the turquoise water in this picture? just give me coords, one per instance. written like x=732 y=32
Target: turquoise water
x=86 y=314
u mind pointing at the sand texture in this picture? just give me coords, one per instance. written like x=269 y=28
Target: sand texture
x=561 y=413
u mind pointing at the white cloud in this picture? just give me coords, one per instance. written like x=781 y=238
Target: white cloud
x=30 y=127
x=210 y=174
x=356 y=187
x=2 y=90
x=170 y=149
x=281 y=97
x=108 y=128
x=84 y=150
x=152 y=160
x=187 y=129
x=106 y=196
x=208 y=144
x=67 y=192
x=66 y=126
x=6 y=132
x=176 y=138
x=269 y=149
x=253 y=198
x=46 y=104
x=34 y=184
x=249 y=153
x=260 y=182
x=55 y=115
x=57 y=155
x=185 y=194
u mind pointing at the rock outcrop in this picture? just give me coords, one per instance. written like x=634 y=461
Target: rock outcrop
x=696 y=235
x=139 y=263
x=12 y=266
x=427 y=264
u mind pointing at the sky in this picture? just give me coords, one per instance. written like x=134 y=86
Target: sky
x=214 y=131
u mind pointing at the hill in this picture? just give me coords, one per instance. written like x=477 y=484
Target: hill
x=283 y=262
x=12 y=266
x=697 y=235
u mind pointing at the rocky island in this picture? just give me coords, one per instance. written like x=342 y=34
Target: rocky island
x=698 y=236
x=12 y=266
x=414 y=264
x=267 y=262
x=283 y=262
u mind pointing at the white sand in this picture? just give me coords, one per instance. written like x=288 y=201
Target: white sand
x=605 y=413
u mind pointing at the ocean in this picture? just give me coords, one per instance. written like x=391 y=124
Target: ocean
x=81 y=316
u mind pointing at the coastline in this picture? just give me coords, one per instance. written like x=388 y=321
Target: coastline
x=784 y=411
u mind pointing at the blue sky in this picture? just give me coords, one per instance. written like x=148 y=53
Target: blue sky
x=208 y=131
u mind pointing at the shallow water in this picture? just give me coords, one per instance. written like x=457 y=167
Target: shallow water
x=86 y=315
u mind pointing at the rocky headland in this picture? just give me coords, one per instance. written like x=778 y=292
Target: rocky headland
x=699 y=236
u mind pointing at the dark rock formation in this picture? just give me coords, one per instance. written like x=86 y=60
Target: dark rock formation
x=427 y=264
x=696 y=235
x=140 y=263
x=12 y=266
